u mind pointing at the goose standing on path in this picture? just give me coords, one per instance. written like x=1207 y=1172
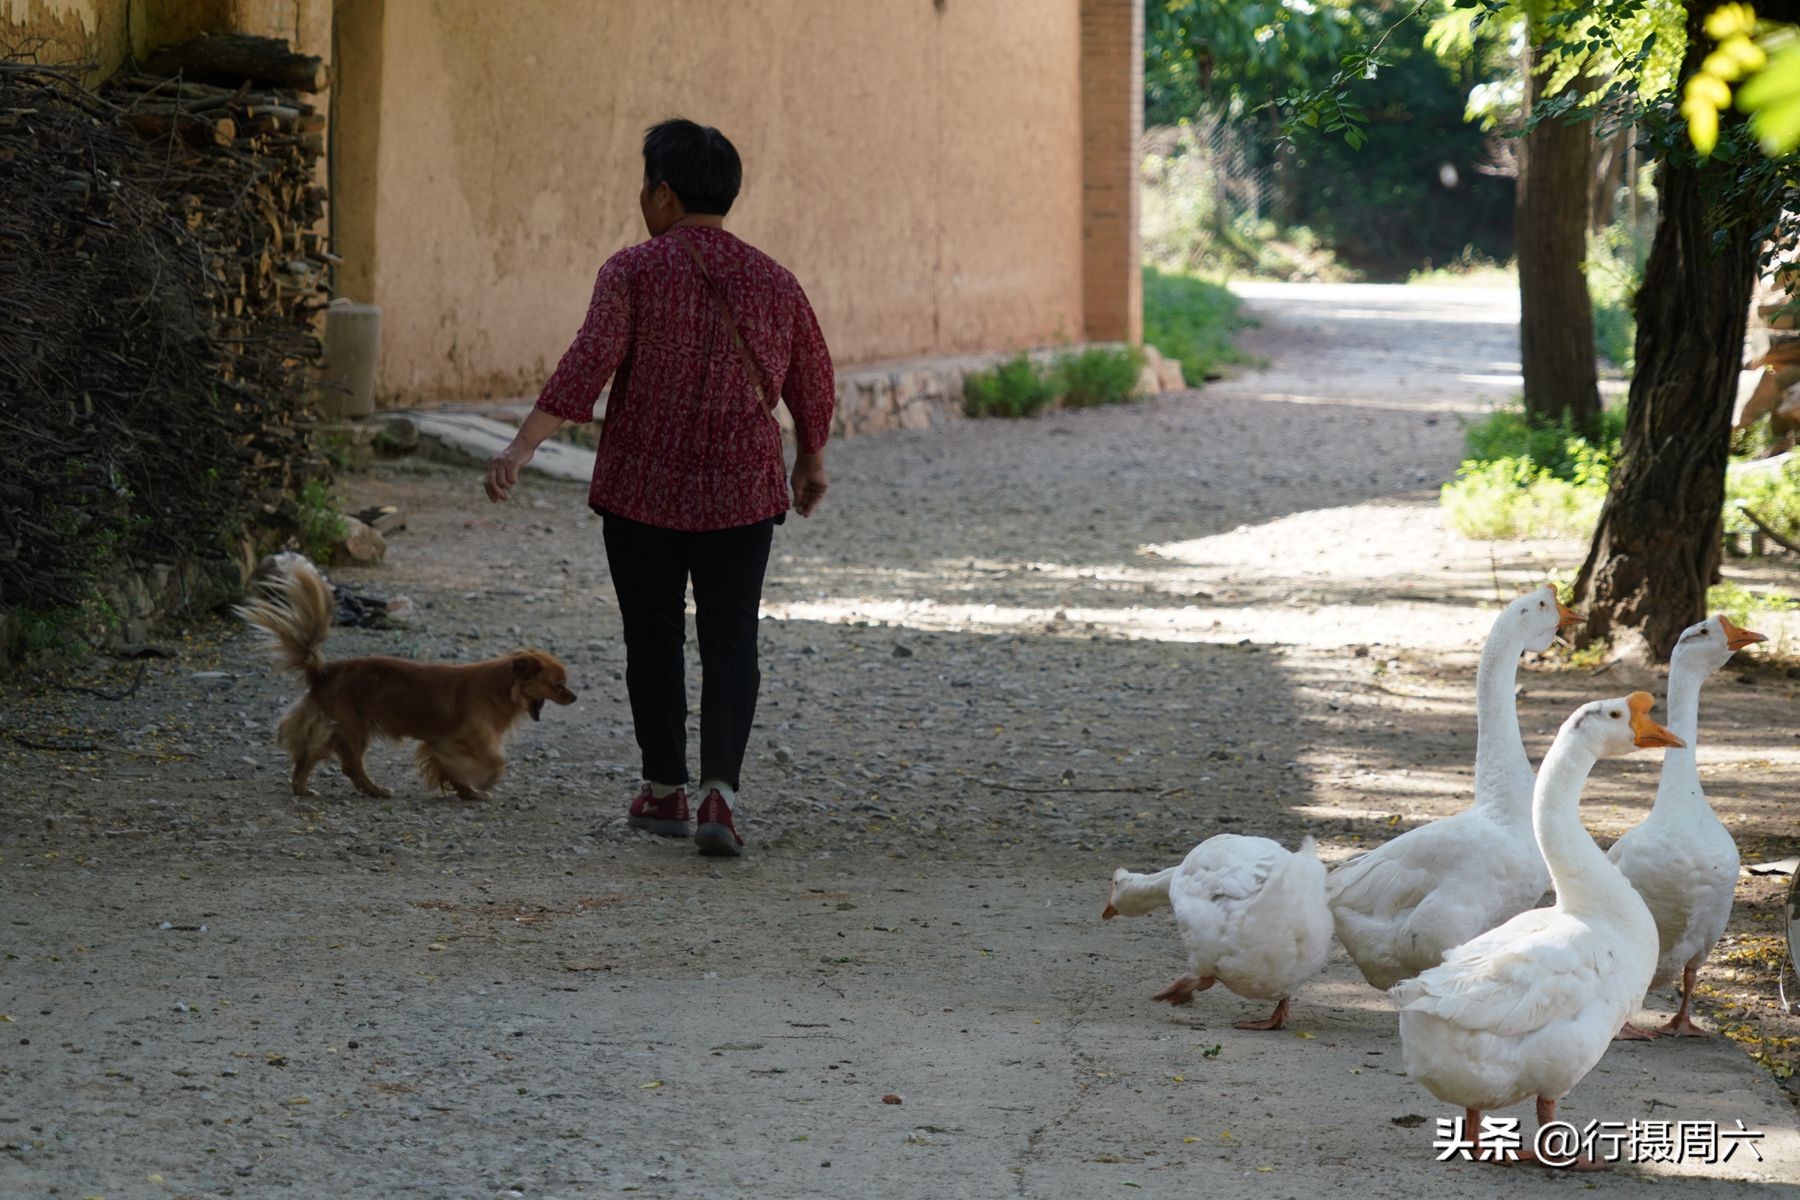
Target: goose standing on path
x=1527 y=1009
x=1399 y=907
x=1680 y=858
x=1251 y=914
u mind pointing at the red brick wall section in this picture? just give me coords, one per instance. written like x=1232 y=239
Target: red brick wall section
x=1112 y=118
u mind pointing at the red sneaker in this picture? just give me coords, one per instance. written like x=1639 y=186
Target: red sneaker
x=667 y=817
x=715 y=833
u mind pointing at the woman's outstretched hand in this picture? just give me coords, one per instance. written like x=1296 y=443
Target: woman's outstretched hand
x=503 y=470
x=809 y=482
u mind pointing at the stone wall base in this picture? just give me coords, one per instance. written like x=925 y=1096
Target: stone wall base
x=135 y=602
x=914 y=393
x=927 y=393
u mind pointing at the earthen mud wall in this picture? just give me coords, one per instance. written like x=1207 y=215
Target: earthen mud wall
x=917 y=166
x=917 y=163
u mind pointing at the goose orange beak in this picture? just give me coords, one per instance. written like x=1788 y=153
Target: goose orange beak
x=1649 y=733
x=1108 y=913
x=1737 y=638
x=1566 y=616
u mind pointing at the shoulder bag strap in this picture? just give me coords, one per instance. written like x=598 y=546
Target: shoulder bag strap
x=756 y=375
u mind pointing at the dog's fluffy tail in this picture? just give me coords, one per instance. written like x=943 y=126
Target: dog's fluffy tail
x=294 y=610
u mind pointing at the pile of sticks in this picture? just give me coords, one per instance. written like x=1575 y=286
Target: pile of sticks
x=240 y=159
x=162 y=275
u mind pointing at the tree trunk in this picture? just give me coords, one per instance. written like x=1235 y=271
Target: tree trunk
x=1556 y=317
x=1656 y=549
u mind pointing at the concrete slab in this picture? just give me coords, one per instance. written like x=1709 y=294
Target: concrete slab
x=467 y=438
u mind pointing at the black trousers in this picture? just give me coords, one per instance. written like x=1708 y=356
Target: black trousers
x=650 y=572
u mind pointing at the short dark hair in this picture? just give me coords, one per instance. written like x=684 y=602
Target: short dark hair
x=698 y=163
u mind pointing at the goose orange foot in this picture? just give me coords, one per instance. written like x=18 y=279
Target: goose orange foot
x=1275 y=1019
x=1181 y=989
x=1682 y=1025
x=1546 y=1113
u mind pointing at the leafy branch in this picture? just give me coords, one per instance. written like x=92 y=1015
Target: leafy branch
x=1326 y=107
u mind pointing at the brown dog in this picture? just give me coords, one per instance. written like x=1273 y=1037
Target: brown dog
x=459 y=714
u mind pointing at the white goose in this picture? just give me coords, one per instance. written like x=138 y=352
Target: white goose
x=1399 y=907
x=1527 y=1009
x=1680 y=858
x=1251 y=914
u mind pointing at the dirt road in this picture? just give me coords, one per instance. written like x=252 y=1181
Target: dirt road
x=1001 y=662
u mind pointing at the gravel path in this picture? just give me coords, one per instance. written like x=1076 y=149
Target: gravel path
x=1001 y=662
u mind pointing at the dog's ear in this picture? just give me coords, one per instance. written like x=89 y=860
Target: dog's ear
x=526 y=665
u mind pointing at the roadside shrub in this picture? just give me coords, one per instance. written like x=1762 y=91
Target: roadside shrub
x=1758 y=439
x=1199 y=213
x=1015 y=388
x=1469 y=267
x=1553 y=445
x=1774 y=496
x=1098 y=375
x=1512 y=498
x=319 y=528
x=1740 y=605
x=1193 y=320
x=1615 y=270
x=1526 y=479
x=1530 y=479
x=1615 y=327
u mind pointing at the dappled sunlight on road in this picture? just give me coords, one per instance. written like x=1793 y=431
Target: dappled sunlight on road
x=1339 y=625
x=1385 y=572
x=1388 y=301
x=1472 y=407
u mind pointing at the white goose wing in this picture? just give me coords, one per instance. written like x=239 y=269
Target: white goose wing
x=1282 y=935
x=1229 y=867
x=1393 y=879
x=1212 y=888
x=1513 y=980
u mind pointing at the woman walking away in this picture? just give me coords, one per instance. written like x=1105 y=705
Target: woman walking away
x=701 y=334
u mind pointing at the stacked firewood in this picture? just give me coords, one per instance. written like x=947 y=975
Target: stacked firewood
x=162 y=266
x=241 y=160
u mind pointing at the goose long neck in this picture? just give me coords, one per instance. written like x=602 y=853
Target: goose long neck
x=1584 y=880
x=1680 y=781
x=1502 y=772
x=1135 y=895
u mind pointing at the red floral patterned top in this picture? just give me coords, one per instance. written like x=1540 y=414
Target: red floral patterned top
x=686 y=443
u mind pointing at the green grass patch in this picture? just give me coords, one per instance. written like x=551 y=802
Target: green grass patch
x=1741 y=605
x=1194 y=320
x=1615 y=325
x=1085 y=378
x=1554 y=446
x=1524 y=478
x=1015 y=388
x=1510 y=499
x=1615 y=271
x=1773 y=495
x=1096 y=376
x=1468 y=269
x=320 y=528
x=63 y=632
